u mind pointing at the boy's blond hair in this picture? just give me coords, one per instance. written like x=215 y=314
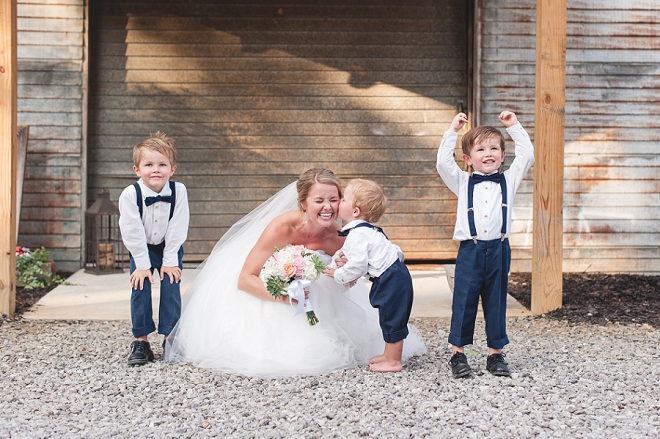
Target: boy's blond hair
x=158 y=142
x=370 y=198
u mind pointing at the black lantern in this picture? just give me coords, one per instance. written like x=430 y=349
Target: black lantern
x=104 y=250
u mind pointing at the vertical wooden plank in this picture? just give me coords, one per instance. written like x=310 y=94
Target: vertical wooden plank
x=549 y=150
x=474 y=119
x=23 y=134
x=83 y=146
x=8 y=102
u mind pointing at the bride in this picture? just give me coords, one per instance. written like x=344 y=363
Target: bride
x=231 y=323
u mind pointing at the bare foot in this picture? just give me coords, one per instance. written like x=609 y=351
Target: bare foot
x=378 y=359
x=386 y=366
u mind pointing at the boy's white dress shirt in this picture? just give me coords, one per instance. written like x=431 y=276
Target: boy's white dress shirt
x=368 y=252
x=487 y=197
x=155 y=225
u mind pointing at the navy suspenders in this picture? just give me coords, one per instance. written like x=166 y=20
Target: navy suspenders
x=138 y=191
x=470 y=212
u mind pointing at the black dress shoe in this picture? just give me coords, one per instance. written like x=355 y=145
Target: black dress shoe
x=496 y=365
x=459 y=365
x=141 y=353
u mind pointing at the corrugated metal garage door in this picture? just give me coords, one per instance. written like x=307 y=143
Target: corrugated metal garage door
x=255 y=93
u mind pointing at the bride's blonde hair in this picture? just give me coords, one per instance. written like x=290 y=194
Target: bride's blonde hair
x=312 y=176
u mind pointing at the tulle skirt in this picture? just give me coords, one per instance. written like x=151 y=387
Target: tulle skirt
x=225 y=329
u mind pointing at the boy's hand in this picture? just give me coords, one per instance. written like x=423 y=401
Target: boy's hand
x=508 y=118
x=459 y=122
x=341 y=259
x=173 y=272
x=138 y=277
x=331 y=272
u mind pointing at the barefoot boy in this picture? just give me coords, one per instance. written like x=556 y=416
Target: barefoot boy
x=369 y=252
x=483 y=221
x=153 y=219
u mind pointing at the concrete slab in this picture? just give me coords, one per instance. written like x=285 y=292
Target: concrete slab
x=107 y=297
x=94 y=297
x=434 y=291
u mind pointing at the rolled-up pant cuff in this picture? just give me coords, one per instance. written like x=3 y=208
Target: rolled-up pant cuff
x=393 y=337
x=457 y=341
x=498 y=344
x=165 y=330
x=145 y=330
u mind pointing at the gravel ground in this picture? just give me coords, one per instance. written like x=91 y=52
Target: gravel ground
x=70 y=379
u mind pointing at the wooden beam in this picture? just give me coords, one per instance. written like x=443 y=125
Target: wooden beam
x=549 y=151
x=8 y=140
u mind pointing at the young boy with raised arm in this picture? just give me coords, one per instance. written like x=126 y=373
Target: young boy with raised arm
x=483 y=222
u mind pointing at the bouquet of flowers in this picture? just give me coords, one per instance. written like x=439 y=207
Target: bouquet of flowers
x=289 y=271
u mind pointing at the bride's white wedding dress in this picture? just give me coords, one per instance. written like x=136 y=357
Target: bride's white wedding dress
x=226 y=329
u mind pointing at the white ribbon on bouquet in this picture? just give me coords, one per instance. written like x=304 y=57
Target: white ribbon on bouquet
x=296 y=291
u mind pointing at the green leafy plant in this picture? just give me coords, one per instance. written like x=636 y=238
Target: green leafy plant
x=33 y=269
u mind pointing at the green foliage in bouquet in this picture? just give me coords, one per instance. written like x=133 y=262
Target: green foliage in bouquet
x=33 y=269
x=276 y=287
x=319 y=266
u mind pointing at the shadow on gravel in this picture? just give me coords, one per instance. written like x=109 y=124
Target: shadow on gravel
x=599 y=298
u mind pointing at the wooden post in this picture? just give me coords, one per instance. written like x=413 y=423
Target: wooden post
x=549 y=150
x=8 y=140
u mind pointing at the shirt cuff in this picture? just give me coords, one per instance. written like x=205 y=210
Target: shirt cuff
x=142 y=262
x=171 y=259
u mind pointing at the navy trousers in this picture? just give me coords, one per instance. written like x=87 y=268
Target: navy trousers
x=169 y=309
x=392 y=294
x=482 y=270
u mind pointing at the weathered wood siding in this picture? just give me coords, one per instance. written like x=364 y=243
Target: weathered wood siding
x=611 y=189
x=50 y=60
x=256 y=92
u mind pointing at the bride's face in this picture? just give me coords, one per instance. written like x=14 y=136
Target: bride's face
x=322 y=204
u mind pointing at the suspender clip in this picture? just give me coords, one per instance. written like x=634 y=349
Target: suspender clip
x=474 y=238
x=503 y=235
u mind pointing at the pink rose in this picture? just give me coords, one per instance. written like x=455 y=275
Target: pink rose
x=289 y=269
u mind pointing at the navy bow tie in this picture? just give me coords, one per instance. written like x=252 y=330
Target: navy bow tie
x=151 y=200
x=347 y=231
x=478 y=178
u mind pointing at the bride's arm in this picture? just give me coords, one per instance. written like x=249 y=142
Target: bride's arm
x=276 y=234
